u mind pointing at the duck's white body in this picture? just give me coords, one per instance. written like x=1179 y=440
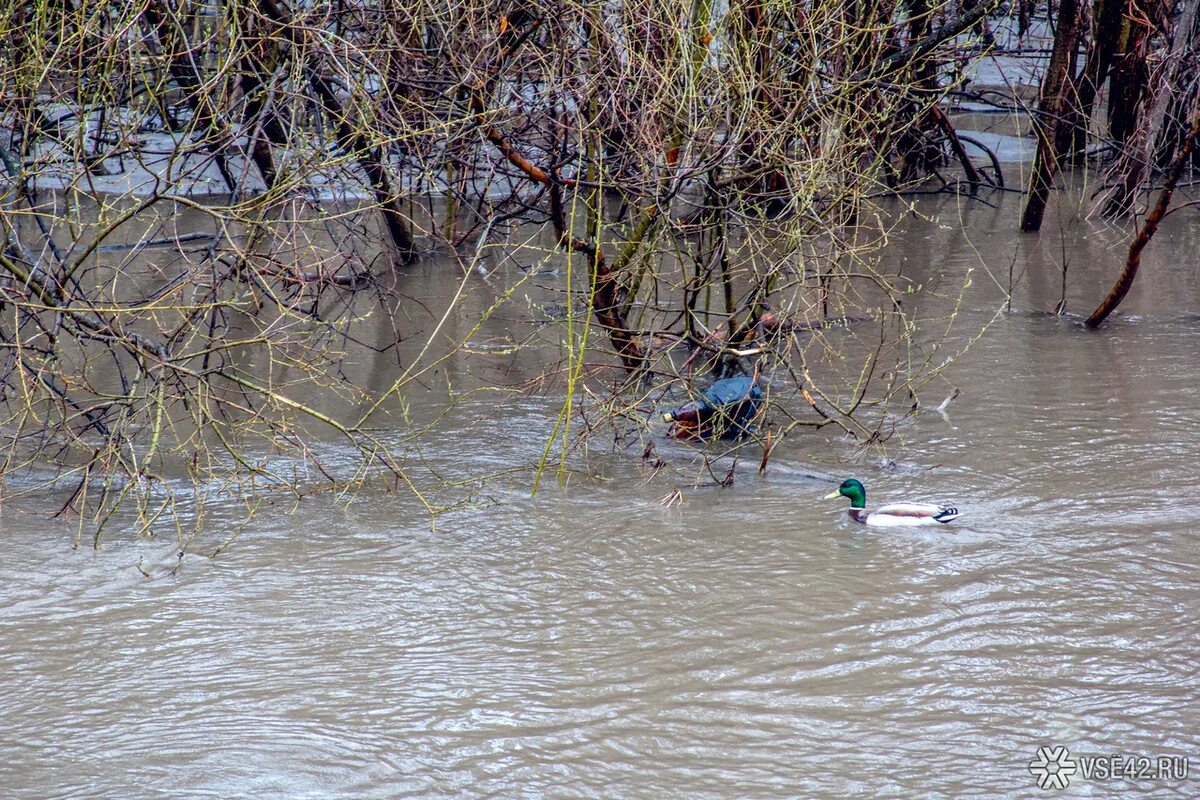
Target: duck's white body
x=895 y=515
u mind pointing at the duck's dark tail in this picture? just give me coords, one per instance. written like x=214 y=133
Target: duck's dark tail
x=947 y=515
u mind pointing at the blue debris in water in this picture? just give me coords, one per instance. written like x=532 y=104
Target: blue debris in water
x=725 y=410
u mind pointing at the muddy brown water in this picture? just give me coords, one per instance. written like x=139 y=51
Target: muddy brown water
x=750 y=642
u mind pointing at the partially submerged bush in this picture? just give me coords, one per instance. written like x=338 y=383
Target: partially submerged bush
x=205 y=201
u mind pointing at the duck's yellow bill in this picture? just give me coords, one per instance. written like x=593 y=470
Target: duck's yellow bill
x=668 y=417
x=833 y=495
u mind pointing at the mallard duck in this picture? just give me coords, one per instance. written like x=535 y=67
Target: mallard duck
x=726 y=409
x=893 y=514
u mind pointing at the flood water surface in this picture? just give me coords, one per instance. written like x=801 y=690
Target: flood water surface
x=749 y=641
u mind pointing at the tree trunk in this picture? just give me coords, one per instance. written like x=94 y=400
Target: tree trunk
x=1050 y=103
x=1131 y=72
x=1071 y=126
x=1106 y=31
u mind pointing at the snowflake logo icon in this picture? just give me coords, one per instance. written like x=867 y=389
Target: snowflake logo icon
x=1053 y=768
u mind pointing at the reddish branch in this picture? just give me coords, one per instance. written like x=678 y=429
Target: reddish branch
x=608 y=294
x=1125 y=281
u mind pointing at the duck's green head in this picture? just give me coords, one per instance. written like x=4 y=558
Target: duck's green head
x=853 y=489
